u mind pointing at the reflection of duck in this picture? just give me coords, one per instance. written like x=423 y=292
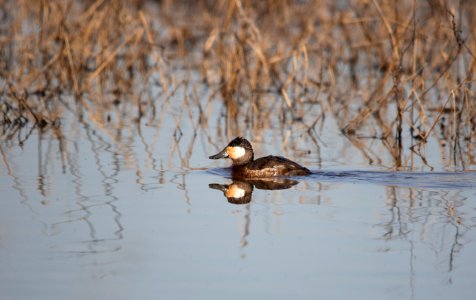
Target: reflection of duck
x=240 y=191
x=241 y=153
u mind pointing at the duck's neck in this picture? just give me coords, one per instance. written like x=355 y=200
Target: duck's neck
x=238 y=164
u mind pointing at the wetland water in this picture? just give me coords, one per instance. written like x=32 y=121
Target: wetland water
x=109 y=111
x=96 y=215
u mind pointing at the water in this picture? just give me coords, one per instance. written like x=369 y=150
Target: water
x=142 y=214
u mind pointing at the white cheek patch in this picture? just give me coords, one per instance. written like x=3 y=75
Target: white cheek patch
x=236 y=152
x=234 y=192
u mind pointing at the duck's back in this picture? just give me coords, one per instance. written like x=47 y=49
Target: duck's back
x=271 y=166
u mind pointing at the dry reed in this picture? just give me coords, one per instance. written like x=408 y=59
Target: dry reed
x=393 y=71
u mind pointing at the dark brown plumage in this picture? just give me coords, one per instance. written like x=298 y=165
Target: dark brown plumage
x=241 y=153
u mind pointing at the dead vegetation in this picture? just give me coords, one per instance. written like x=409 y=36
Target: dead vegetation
x=398 y=72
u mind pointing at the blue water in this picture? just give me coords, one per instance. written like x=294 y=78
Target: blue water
x=144 y=215
x=433 y=180
x=430 y=180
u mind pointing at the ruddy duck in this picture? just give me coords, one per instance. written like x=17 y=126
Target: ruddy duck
x=241 y=153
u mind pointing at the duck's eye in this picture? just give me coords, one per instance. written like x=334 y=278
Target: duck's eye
x=235 y=152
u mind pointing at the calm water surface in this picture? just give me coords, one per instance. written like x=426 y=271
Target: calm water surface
x=94 y=217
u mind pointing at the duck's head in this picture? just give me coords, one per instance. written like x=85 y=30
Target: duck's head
x=238 y=150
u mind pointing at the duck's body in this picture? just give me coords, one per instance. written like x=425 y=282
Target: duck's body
x=269 y=166
x=241 y=153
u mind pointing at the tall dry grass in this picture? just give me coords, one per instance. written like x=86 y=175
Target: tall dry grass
x=398 y=72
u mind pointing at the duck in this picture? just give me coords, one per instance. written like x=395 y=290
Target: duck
x=240 y=151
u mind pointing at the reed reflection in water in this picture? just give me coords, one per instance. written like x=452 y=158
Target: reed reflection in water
x=118 y=216
x=106 y=186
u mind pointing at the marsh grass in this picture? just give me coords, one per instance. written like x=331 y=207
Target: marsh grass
x=396 y=72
